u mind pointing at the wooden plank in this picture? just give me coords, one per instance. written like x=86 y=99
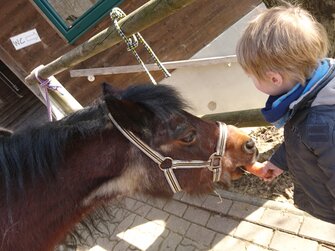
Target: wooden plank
x=177 y=37
x=246 y=118
x=153 y=67
x=140 y=19
x=145 y=16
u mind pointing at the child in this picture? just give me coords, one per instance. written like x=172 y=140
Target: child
x=283 y=51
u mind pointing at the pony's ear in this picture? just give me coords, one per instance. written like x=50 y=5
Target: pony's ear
x=128 y=114
x=5 y=132
x=107 y=89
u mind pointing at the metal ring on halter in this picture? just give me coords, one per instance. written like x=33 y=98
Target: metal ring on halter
x=166 y=163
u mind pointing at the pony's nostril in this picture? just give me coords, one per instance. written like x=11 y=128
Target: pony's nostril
x=249 y=146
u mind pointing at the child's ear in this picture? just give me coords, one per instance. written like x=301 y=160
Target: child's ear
x=275 y=77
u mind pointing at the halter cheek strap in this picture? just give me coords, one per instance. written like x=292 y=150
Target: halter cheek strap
x=216 y=158
x=167 y=164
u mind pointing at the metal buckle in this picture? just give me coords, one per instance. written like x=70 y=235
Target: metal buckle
x=215 y=166
x=214 y=162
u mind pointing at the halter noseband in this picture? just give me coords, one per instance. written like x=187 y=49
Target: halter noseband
x=167 y=164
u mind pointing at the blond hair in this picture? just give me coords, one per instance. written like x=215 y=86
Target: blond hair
x=287 y=40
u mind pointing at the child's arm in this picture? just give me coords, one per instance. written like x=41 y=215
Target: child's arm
x=278 y=159
x=266 y=170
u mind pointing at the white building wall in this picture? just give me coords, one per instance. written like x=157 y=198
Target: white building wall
x=222 y=87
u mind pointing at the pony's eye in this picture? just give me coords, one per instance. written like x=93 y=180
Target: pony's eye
x=189 y=137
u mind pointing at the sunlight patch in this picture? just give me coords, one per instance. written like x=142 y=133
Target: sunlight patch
x=143 y=236
x=97 y=248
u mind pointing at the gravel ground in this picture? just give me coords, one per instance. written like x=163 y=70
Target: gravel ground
x=267 y=140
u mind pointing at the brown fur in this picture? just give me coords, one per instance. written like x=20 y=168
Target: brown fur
x=98 y=165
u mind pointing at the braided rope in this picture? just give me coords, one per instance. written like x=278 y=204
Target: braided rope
x=153 y=55
x=44 y=83
x=133 y=41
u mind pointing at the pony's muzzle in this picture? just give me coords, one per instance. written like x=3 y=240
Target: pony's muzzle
x=250 y=147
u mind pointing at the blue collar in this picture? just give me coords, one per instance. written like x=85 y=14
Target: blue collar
x=277 y=108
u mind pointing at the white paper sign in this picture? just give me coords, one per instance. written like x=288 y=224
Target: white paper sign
x=25 y=39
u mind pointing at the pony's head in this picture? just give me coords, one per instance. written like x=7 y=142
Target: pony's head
x=156 y=115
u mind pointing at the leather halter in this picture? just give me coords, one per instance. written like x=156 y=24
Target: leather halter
x=167 y=164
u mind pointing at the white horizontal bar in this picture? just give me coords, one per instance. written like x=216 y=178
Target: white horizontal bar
x=153 y=67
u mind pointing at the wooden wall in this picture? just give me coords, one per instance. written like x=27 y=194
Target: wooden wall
x=19 y=108
x=178 y=37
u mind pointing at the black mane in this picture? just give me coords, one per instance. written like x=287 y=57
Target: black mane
x=38 y=151
x=162 y=100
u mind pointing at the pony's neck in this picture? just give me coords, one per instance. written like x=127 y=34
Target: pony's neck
x=59 y=200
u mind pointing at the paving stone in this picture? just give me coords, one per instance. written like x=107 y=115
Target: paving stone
x=192 y=224
x=144 y=235
x=166 y=232
x=253 y=200
x=318 y=230
x=252 y=247
x=222 y=224
x=139 y=220
x=126 y=223
x=121 y=246
x=188 y=244
x=141 y=208
x=226 y=242
x=178 y=196
x=142 y=198
x=198 y=246
x=287 y=207
x=282 y=220
x=200 y=234
x=254 y=233
x=283 y=242
x=246 y=211
x=131 y=248
x=171 y=242
x=156 y=245
x=95 y=248
x=119 y=214
x=197 y=215
x=214 y=203
x=101 y=244
x=150 y=226
x=158 y=203
x=185 y=248
x=175 y=207
x=129 y=203
x=177 y=224
x=195 y=201
x=157 y=214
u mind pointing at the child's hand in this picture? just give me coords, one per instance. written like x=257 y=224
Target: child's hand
x=266 y=170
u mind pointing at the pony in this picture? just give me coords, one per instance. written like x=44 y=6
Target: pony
x=54 y=175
